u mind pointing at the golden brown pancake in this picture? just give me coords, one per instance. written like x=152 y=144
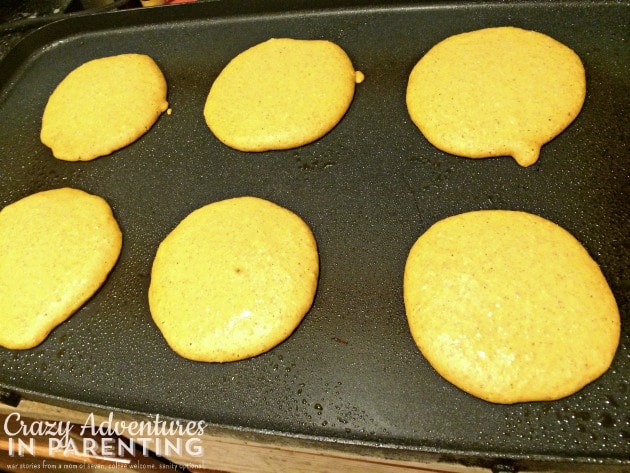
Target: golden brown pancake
x=509 y=307
x=281 y=94
x=102 y=106
x=496 y=92
x=57 y=248
x=233 y=280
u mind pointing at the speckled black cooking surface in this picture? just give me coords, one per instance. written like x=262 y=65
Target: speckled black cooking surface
x=350 y=374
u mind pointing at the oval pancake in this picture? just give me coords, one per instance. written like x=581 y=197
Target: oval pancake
x=233 y=280
x=281 y=94
x=509 y=307
x=496 y=92
x=102 y=106
x=57 y=248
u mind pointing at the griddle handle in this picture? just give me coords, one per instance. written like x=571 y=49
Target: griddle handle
x=9 y=398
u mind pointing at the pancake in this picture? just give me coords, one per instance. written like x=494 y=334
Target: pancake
x=509 y=307
x=496 y=92
x=281 y=94
x=102 y=106
x=57 y=248
x=233 y=280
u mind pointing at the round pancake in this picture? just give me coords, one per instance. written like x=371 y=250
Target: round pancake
x=281 y=94
x=57 y=248
x=496 y=92
x=102 y=106
x=233 y=280
x=509 y=307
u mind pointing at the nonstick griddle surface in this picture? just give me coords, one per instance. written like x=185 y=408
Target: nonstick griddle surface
x=350 y=373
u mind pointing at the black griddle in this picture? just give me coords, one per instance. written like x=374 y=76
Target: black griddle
x=350 y=376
